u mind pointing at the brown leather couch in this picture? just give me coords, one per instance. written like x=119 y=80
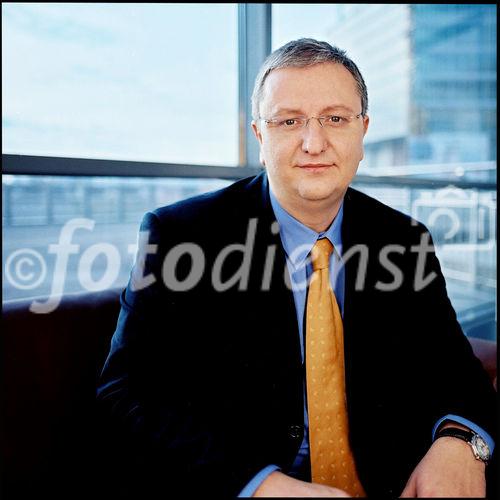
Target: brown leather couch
x=51 y=431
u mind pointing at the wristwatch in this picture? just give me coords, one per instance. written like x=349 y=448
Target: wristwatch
x=479 y=446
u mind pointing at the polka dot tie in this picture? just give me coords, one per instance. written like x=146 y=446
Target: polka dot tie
x=332 y=462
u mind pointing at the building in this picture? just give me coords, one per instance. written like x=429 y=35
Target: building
x=431 y=76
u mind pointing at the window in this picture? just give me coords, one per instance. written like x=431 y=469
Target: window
x=100 y=215
x=140 y=82
x=118 y=81
x=110 y=82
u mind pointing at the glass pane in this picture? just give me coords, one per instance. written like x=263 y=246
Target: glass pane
x=430 y=72
x=146 y=82
x=105 y=213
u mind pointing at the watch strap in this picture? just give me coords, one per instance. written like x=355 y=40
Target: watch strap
x=469 y=437
x=457 y=433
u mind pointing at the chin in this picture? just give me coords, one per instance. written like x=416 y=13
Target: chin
x=316 y=193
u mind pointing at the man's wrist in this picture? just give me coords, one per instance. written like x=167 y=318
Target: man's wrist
x=474 y=441
x=458 y=421
x=250 y=489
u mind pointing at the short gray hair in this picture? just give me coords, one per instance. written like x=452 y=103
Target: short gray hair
x=299 y=54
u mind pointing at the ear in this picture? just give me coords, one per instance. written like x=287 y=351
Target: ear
x=256 y=131
x=258 y=135
x=366 y=122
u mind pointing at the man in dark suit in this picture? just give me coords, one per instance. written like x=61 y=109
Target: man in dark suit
x=208 y=380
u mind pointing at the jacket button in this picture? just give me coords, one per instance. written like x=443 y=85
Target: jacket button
x=295 y=431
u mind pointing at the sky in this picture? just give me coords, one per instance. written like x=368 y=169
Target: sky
x=123 y=81
x=146 y=82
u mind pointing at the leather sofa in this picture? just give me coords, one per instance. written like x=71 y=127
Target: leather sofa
x=51 y=365
x=51 y=429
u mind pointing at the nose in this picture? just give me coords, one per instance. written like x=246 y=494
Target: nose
x=314 y=139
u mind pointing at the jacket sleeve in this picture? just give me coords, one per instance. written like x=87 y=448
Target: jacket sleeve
x=455 y=378
x=176 y=440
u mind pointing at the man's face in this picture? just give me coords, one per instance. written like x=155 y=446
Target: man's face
x=289 y=156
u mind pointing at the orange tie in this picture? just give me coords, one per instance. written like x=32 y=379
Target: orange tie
x=332 y=461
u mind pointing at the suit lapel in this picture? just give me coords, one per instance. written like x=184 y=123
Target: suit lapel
x=269 y=283
x=354 y=243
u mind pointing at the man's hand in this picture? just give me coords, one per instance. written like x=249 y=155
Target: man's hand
x=449 y=469
x=278 y=484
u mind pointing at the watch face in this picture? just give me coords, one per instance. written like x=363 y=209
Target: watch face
x=481 y=447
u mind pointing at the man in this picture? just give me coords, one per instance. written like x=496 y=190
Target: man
x=290 y=336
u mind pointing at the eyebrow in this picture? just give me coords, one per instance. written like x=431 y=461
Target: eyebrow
x=333 y=108
x=280 y=111
x=338 y=107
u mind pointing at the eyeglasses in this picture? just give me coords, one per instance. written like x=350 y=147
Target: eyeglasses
x=329 y=122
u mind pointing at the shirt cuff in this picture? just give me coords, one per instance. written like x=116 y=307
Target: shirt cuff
x=250 y=488
x=470 y=425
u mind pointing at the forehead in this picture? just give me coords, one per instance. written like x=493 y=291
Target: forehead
x=310 y=89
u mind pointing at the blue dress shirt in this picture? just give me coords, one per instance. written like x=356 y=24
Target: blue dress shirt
x=298 y=240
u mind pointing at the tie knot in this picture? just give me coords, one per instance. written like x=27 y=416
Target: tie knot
x=320 y=254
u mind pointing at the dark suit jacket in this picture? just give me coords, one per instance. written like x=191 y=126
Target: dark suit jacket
x=204 y=387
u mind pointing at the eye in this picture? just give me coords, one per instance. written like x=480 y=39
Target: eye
x=289 y=122
x=335 y=119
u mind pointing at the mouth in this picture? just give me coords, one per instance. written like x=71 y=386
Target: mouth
x=315 y=167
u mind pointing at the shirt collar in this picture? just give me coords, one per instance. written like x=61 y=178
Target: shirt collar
x=298 y=239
